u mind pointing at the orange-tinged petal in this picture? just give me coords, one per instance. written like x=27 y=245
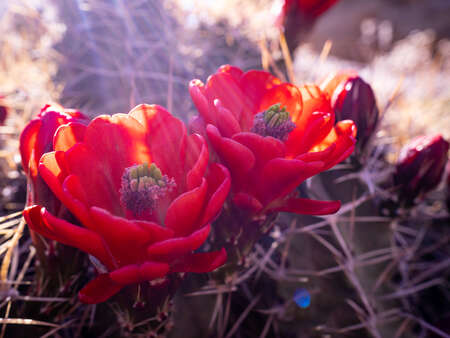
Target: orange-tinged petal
x=116 y=142
x=68 y=135
x=288 y=96
x=333 y=80
x=305 y=136
x=255 y=84
x=166 y=138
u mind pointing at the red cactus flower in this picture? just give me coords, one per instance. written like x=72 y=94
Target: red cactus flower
x=297 y=17
x=272 y=136
x=447 y=184
x=3 y=111
x=353 y=99
x=36 y=139
x=142 y=191
x=420 y=167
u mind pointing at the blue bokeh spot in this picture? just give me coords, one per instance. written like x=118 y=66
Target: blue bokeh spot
x=302 y=298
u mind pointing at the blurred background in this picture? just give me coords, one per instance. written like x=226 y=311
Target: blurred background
x=106 y=56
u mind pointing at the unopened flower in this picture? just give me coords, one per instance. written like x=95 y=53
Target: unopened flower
x=272 y=136
x=353 y=99
x=420 y=167
x=447 y=184
x=297 y=17
x=3 y=111
x=142 y=192
x=36 y=139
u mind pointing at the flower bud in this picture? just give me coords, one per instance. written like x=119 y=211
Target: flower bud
x=353 y=99
x=3 y=111
x=297 y=18
x=37 y=139
x=447 y=184
x=420 y=167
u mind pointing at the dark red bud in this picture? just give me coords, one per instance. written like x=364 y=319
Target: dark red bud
x=420 y=167
x=297 y=17
x=447 y=184
x=3 y=114
x=353 y=99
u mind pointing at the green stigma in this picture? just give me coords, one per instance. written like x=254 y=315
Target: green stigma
x=144 y=175
x=276 y=115
x=275 y=121
x=142 y=186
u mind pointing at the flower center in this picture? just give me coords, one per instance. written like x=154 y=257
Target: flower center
x=142 y=187
x=275 y=122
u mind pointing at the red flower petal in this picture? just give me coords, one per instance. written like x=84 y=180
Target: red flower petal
x=136 y=273
x=74 y=198
x=99 y=290
x=201 y=262
x=175 y=247
x=27 y=144
x=115 y=142
x=247 y=202
x=219 y=183
x=281 y=176
x=263 y=148
x=238 y=157
x=288 y=96
x=95 y=177
x=329 y=84
x=185 y=210
x=235 y=72
x=166 y=138
x=223 y=87
x=72 y=235
x=197 y=91
x=197 y=157
x=68 y=135
x=55 y=167
x=343 y=135
x=323 y=155
x=126 y=240
x=226 y=122
x=313 y=124
x=255 y=84
x=156 y=231
x=197 y=126
x=34 y=220
x=306 y=206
